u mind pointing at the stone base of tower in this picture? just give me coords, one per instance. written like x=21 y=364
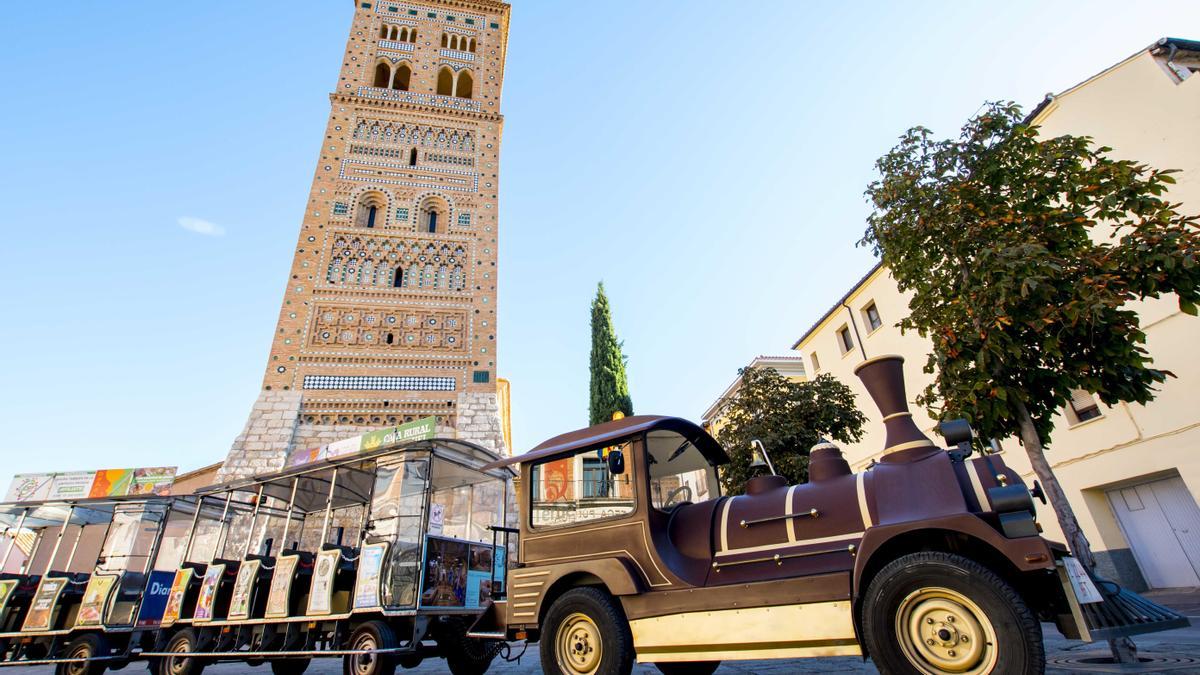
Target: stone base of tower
x=274 y=428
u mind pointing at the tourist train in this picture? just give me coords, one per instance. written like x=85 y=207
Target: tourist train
x=607 y=545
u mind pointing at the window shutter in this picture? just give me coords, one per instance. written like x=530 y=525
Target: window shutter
x=1082 y=401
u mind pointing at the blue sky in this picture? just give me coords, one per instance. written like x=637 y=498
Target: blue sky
x=706 y=160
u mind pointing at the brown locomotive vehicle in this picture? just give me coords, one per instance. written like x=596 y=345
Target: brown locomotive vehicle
x=929 y=561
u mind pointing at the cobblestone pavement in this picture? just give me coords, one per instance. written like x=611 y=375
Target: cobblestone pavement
x=1182 y=645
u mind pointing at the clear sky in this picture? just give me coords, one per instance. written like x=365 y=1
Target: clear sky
x=706 y=160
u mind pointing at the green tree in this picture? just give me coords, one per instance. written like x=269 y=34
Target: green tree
x=1022 y=255
x=789 y=418
x=609 y=387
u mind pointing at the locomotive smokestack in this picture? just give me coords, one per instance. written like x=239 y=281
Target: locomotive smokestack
x=883 y=377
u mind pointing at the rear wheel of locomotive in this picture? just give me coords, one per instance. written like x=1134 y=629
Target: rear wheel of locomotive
x=295 y=666
x=688 y=667
x=370 y=636
x=585 y=633
x=86 y=646
x=937 y=613
x=181 y=661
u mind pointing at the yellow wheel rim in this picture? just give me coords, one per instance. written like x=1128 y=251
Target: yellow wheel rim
x=577 y=645
x=943 y=631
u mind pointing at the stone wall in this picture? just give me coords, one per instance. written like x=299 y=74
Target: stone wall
x=264 y=443
x=274 y=428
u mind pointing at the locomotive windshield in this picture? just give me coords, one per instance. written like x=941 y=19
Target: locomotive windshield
x=679 y=472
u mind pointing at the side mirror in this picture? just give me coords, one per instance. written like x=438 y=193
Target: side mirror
x=616 y=462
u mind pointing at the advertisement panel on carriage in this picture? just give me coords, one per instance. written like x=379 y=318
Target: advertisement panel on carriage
x=35 y=487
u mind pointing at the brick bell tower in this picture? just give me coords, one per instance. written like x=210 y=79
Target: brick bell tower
x=389 y=314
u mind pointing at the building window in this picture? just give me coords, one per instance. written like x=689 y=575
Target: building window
x=340 y=208
x=402 y=215
x=845 y=340
x=466 y=85
x=398 y=279
x=464 y=220
x=871 y=315
x=816 y=363
x=481 y=377
x=597 y=481
x=1083 y=406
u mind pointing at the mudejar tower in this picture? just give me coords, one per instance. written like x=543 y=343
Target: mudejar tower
x=389 y=313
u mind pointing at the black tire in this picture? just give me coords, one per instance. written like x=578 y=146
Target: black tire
x=581 y=623
x=86 y=646
x=182 y=642
x=290 y=666
x=933 y=612
x=688 y=667
x=464 y=655
x=373 y=634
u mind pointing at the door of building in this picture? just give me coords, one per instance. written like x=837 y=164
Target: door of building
x=1162 y=523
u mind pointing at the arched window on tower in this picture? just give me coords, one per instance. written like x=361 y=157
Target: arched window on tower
x=402 y=77
x=383 y=31
x=434 y=215
x=398 y=278
x=445 y=81
x=383 y=74
x=372 y=208
x=466 y=84
x=412 y=157
x=445 y=40
x=471 y=46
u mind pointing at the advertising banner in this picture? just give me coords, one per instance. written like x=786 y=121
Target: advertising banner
x=239 y=605
x=346 y=446
x=36 y=487
x=175 y=598
x=30 y=487
x=370 y=569
x=154 y=602
x=72 y=485
x=42 y=609
x=417 y=430
x=281 y=586
x=95 y=599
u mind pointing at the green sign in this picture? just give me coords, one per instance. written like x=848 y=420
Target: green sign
x=417 y=430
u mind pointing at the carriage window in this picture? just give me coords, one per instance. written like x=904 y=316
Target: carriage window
x=679 y=472
x=580 y=488
x=397 y=515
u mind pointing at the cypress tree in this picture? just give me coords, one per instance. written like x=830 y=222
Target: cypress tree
x=609 y=388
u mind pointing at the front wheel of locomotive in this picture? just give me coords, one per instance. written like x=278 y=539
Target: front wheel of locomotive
x=937 y=613
x=181 y=659
x=585 y=633
x=371 y=636
x=86 y=646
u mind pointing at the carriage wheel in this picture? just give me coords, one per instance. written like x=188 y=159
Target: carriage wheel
x=181 y=662
x=370 y=636
x=937 y=613
x=86 y=646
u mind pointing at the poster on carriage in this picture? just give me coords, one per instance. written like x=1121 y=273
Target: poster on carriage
x=175 y=598
x=320 y=600
x=44 y=601
x=445 y=582
x=239 y=604
x=6 y=589
x=281 y=586
x=158 y=594
x=208 y=592
x=370 y=570
x=95 y=599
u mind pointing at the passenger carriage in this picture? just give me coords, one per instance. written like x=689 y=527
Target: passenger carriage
x=382 y=558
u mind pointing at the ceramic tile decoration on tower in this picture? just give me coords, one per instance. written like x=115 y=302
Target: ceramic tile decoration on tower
x=389 y=313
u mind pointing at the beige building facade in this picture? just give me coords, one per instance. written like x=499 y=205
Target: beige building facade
x=389 y=311
x=791 y=367
x=1132 y=472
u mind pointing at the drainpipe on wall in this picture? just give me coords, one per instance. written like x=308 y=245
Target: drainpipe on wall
x=857 y=337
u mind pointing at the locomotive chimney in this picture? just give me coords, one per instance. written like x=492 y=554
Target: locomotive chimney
x=825 y=461
x=883 y=377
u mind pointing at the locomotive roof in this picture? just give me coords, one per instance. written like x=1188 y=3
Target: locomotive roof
x=610 y=432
